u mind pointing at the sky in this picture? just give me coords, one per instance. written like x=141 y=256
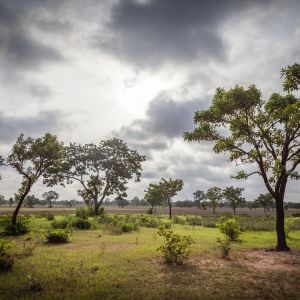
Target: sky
x=138 y=70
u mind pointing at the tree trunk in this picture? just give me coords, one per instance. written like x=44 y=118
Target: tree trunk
x=265 y=211
x=170 y=209
x=281 y=237
x=234 y=212
x=214 y=209
x=17 y=209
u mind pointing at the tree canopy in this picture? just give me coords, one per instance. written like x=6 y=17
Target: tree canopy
x=32 y=159
x=234 y=197
x=102 y=170
x=263 y=134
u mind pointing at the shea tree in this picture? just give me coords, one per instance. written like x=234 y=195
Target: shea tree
x=215 y=196
x=259 y=133
x=265 y=200
x=50 y=196
x=234 y=197
x=101 y=170
x=34 y=158
x=154 y=196
x=199 y=197
x=169 y=189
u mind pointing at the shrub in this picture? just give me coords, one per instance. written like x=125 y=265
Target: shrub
x=194 y=220
x=81 y=223
x=60 y=224
x=33 y=284
x=148 y=221
x=176 y=248
x=224 y=246
x=230 y=227
x=57 y=236
x=6 y=260
x=179 y=220
x=28 y=246
x=22 y=226
x=84 y=212
x=49 y=216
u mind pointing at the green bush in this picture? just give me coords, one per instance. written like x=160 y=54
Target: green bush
x=149 y=221
x=179 y=220
x=224 y=246
x=60 y=223
x=230 y=227
x=81 y=223
x=49 y=216
x=84 y=212
x=6 y=260
x=194 y=220
x=22 y=226
x=176 y=248
x=57 y=236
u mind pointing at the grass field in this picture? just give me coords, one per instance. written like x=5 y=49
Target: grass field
x=99 y=265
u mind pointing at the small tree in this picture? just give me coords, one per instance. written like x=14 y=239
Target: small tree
x=102 y=170
x=264 y=134
x=31 y=201
x=266 y=201
x=215 y=196
x=170 y=188
x=199 y=197
x=32 y=159
x=2 y=200
x=10 y=201
x=234 y=197
x=50 y=196
x=154 y=196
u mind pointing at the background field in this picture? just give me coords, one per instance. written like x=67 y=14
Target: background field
x=140 y=210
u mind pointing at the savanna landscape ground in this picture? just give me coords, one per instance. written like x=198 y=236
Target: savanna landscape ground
x=103 y=264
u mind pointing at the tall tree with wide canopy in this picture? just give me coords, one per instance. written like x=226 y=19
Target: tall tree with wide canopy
x=264 y=134
x=215 y=196
x=50 y=196
x=32 y=159
x=265 y=200
x=154 y=196
x=199 y=197
x=169 y=189
x=234 y=197
x=102 y=170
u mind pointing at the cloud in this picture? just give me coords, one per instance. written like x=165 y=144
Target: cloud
x=46 y=121
x=155 y=32
x=165 y=119
x=20 y=49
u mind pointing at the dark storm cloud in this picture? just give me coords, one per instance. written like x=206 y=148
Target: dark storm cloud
x=150 y=33
x=20 y=50
x=165 y=119
x=46 y=121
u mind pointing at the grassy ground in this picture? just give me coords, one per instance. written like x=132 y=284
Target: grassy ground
x=97 y=265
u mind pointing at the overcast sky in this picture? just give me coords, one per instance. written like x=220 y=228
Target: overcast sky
x=138 y=69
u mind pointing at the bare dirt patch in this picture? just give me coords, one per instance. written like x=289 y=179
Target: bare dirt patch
x=263 y=260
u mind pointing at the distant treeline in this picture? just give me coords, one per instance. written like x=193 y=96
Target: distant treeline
x=136 y=201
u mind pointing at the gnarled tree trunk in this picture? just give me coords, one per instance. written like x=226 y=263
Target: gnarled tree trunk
x=280 y=230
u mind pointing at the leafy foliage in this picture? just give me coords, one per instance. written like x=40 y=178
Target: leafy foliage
x=102 y=170
x=224 y=246
x=215 y=196
x=57 y=236
x=60 y=223
x=234 y=197
x=20 y=228
x=176 y=248
x=230 y=227
x=6 y=260
x=80 y=223
x=262 y=134
x=33 y=158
